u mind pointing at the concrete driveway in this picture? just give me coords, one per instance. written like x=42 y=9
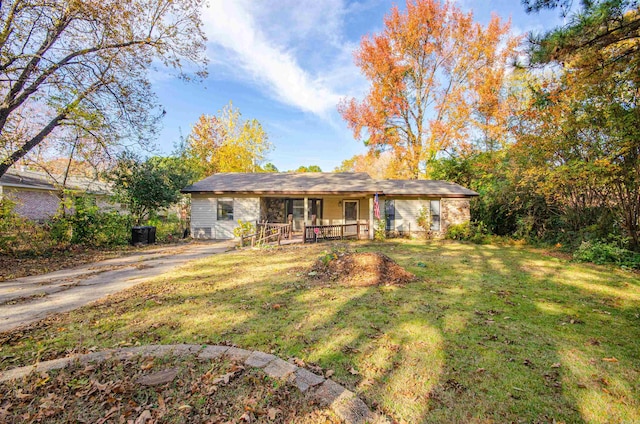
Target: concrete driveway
x=29 y=299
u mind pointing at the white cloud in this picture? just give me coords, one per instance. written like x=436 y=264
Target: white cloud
x=293 y=55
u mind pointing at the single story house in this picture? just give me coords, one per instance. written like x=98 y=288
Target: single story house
x=317 y=198
x=37 y=196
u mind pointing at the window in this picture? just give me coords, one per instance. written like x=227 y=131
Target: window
x=389 y=214
x=435 y=215
x=225 y=209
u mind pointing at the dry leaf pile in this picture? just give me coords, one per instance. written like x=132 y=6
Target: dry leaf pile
x=152 y=390
x=360 y=269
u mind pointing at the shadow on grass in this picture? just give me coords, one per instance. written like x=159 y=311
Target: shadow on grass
x=487 y=334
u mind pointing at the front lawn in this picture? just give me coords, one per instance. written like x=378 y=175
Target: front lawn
x=486 y=333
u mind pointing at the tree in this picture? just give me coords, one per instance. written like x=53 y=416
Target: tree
x=310 y=168
x=378 y=165
x=583 y=130
x=150 y=185
x=602 y=33
x=84 y=64
x=430 y=69
x=269 y=167
x=227 y=143
x=578 y=141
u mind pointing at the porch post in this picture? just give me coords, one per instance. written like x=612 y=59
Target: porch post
x=306 y=210
x=371 y=226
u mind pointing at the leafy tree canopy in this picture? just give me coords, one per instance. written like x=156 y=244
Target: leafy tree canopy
x=600 y=34
x=226 y=143
x=149 y=185
x=84 y=64
x=310 y=168
x=436 y=79
x=269 y=167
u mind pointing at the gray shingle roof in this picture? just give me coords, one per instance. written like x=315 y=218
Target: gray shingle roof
x=423 y=187
x=322 y=183
x=285 y=182
x=42 y=181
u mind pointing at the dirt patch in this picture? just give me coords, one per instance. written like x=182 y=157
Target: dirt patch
x=149 y=390
x=360 y=269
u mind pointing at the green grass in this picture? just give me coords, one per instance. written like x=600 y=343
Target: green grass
x=487 y=333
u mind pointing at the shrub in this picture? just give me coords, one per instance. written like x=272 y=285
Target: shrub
x=600 y=252
x=475 y=232
x=168 y=229
x=19 y=235
x=424 y=219
x=244 y=228
x=89 y=226
x=380 y=230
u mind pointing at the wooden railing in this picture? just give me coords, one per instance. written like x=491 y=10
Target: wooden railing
x=315 y=233
x=266 y=233
x=285 y=229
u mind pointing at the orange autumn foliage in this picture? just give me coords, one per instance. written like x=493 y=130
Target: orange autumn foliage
x=437 y=81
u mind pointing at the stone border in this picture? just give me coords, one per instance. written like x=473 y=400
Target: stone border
x=326 y=392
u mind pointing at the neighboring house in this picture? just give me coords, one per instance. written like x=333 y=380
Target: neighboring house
x=37 y=196
x=219 y=201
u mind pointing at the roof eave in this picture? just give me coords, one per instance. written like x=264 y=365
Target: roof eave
x=278 y=192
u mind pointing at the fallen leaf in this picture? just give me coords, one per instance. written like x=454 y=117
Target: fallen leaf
x=147 y=365
x=273 y=413
x=24 y=396
x=144 y=417
x=556 y=365
x=353 y=371
x=329 y=373
x=480 y=370
x=612 y=359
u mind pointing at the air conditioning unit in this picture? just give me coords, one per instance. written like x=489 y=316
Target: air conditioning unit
x=202 y=233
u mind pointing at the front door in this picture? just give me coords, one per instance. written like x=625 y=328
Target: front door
x=298 y=214
x=351 y=210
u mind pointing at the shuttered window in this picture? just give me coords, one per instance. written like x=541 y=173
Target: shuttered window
x=389 y=214
x=434 y=206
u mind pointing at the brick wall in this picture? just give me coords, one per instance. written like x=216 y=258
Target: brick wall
x=38 y=205
x=41 y=205
x=454 y=211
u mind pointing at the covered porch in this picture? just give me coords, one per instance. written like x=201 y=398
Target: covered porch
x=312 y=218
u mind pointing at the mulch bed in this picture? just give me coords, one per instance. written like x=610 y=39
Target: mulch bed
x=360 y=270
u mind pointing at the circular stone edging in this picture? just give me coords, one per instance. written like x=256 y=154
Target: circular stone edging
x=343 y=402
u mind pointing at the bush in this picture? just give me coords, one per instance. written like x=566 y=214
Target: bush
x=244 y=229
x=89 y=226
x=475 y=232
x=600 y=252
x=19 y=235
x=380 y=230
x=167 y=230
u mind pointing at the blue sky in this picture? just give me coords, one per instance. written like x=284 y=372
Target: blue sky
x=287 y=63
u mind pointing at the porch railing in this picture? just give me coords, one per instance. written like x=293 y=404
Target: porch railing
x=266 y=233
x=315 y=233
x=264 y=227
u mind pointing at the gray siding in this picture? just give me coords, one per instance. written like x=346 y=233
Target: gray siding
x=204 y=222
x=407 y=213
